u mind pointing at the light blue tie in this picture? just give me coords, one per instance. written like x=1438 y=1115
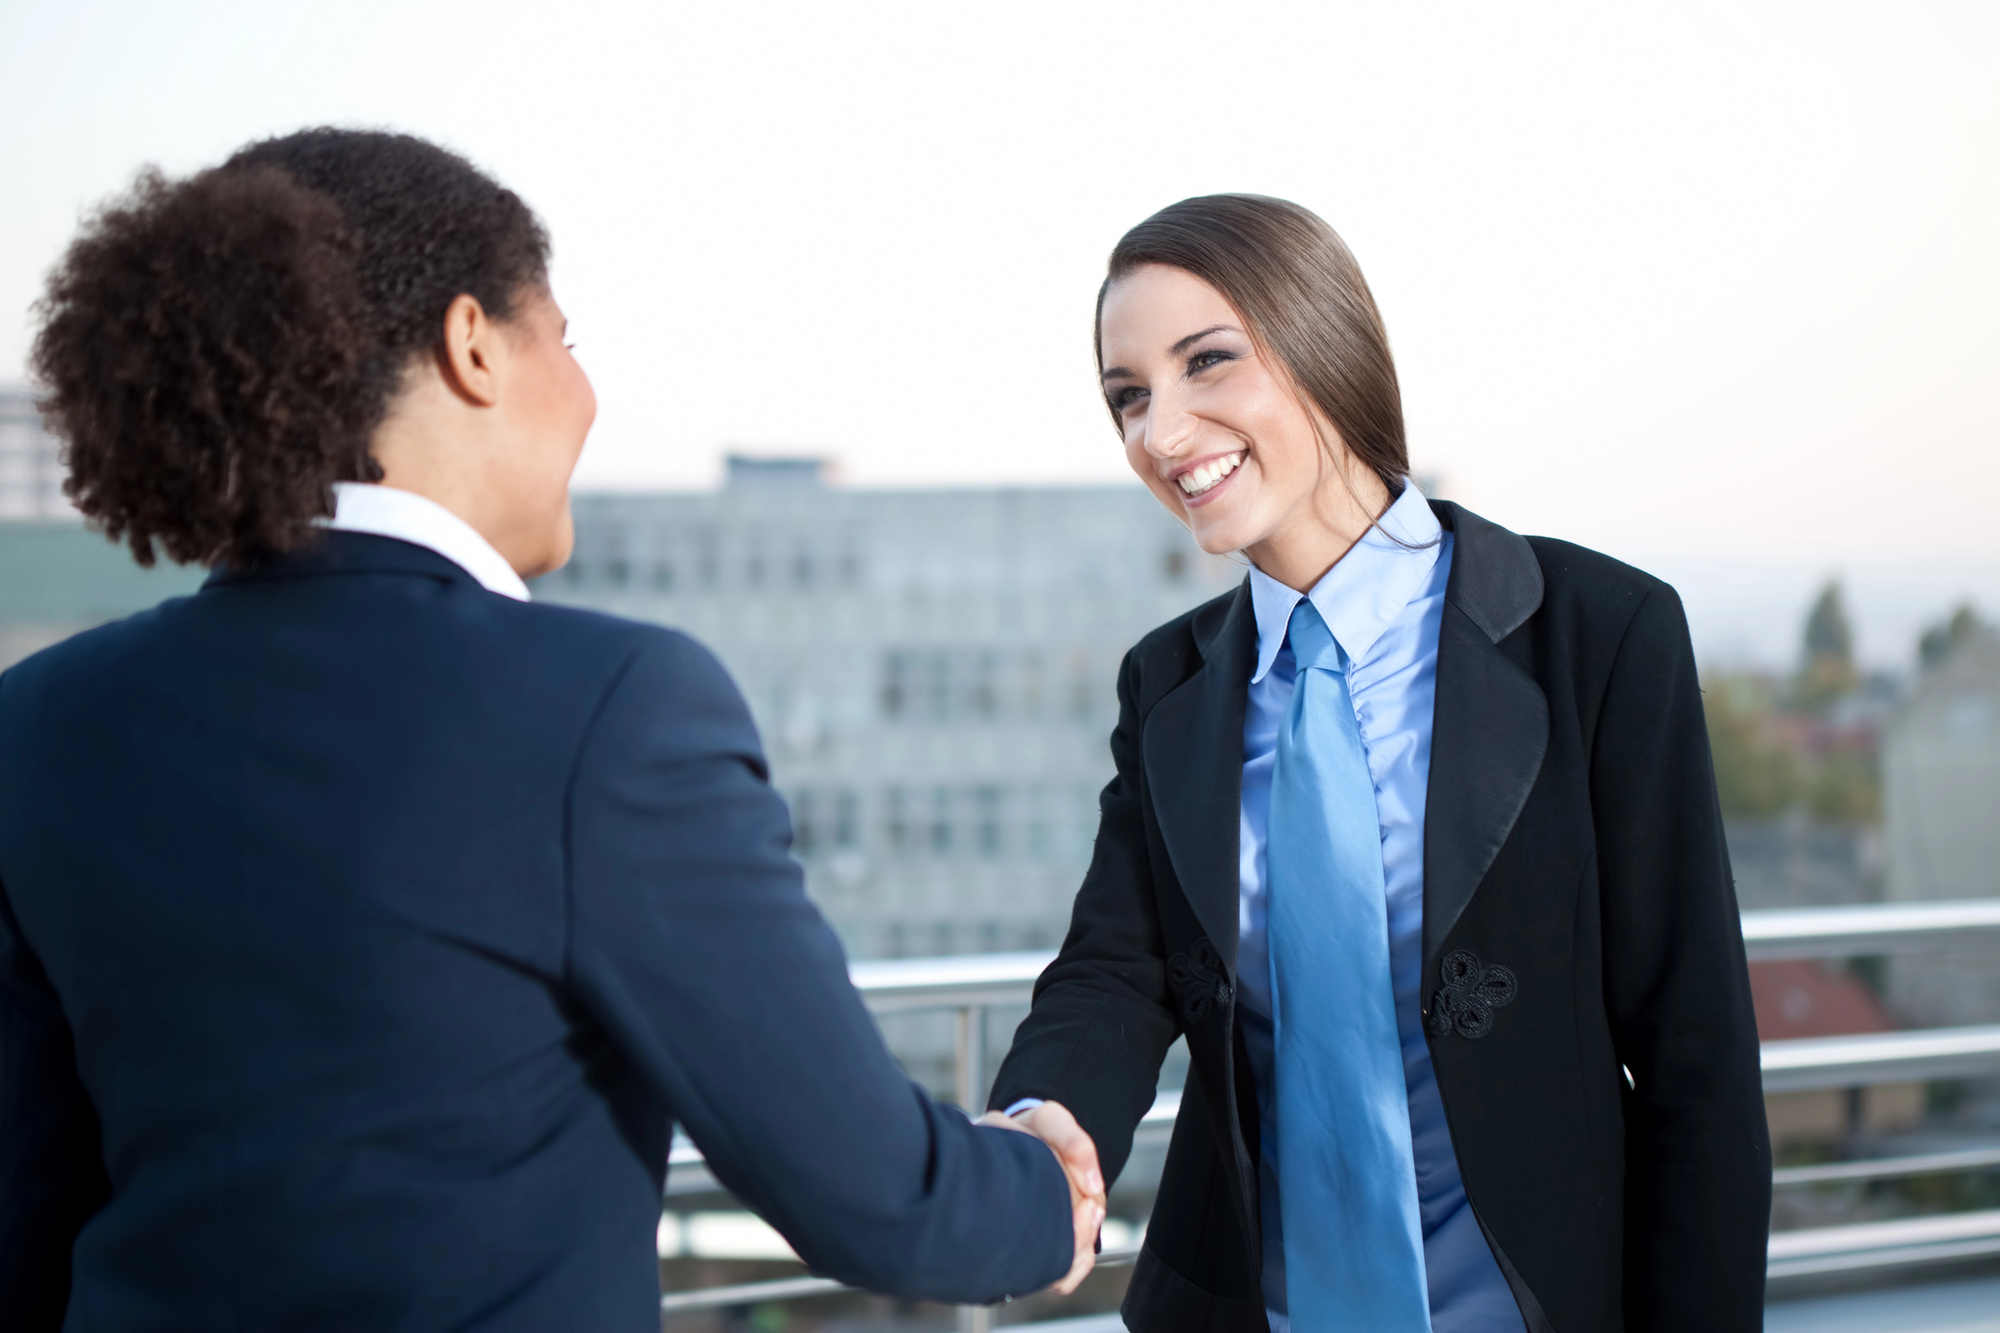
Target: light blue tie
x=1354 y=1247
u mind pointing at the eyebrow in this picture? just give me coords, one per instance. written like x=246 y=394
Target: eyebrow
x=1194 y=338
x=1120 y=372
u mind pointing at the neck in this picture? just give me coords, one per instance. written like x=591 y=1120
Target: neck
x=1321 y=530
x=430 y=445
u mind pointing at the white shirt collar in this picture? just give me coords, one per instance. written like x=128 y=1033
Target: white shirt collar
x=1365 y=590
x=387 y=512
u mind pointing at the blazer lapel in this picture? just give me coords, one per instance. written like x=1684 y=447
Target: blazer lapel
x=1194 y=769
x=1491 y=727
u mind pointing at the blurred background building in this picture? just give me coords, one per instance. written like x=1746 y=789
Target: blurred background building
x=31 y=470
x=56 y=575
x=934 y=673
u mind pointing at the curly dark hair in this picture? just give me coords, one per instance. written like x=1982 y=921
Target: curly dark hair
x=216 y=351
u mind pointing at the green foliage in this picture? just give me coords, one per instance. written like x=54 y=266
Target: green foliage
x=1759 y=775
x=1754 y=779
x=1844 y=789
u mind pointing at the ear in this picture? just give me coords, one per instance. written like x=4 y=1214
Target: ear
x=470 y=356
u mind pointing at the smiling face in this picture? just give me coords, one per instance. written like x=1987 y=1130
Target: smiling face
x=1214 y=426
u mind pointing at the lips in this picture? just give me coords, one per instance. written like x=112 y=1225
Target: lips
x=1197 y=480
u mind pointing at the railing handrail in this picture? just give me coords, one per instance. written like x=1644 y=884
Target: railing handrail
x=1811 y=1064
x=970 y=983
x=893 y=984
x=1843 y=932
x=1806 y=1064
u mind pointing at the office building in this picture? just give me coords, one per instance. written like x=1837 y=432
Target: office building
x=31 y=470
x=1941 y=793
x=934 y=674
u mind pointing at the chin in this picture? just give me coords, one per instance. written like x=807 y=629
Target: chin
x=1223 y=533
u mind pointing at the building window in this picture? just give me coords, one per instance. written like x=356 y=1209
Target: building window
x=1037 y=831
x=618 y=570
x=897 y=808
x=895 y=684
x=986 y=808
x=663 y=576
x=802 y=569
x=1031 y=684
x=985 y=690
x=937 y=687
x=847 y=820
x=1175 y=566
x=1080 y=692
x=941 y=821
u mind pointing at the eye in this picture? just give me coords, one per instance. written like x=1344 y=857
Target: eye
x=1201 y=361
x=1120 y=399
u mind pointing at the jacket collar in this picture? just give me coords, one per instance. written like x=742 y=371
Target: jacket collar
x=1488 y=740
x=1490 y=728
x=333 y=552
x=1194 y=765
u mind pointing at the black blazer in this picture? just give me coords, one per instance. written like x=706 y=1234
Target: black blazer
x=1572 y=836
x=362 y=934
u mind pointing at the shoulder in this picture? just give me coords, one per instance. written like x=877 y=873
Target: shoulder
x=664 y=692
x=89 y=655
x=1590 y=594
x=648 y=661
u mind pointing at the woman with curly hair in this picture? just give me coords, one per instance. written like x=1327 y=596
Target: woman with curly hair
x=364 y=927
x=1414 y=838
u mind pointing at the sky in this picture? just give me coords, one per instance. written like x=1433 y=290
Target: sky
x=1708 y=287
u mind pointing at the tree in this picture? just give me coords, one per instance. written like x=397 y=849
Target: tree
x=1937 y=642
x=1828 y=671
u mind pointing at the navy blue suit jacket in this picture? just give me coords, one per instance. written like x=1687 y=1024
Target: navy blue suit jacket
x=362 y=935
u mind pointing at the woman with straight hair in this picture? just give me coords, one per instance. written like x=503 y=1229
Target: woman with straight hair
x=1414 y=837
x=366 y=928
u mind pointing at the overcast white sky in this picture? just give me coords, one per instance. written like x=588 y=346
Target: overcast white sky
x=1710 y=287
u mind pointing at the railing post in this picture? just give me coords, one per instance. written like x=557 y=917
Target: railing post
x=970 y=1056
x=970 y=1075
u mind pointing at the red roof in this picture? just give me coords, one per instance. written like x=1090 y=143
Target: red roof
x=1804 y=998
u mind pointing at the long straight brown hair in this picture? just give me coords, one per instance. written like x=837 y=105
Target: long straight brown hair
x=1298 y=288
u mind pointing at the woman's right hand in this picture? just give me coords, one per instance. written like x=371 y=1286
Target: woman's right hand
x=1052 y=1123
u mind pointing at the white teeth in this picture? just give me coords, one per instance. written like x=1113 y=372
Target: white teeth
x=1200 y=479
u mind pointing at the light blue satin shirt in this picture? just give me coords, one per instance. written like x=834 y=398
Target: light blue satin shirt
x=1384 y=603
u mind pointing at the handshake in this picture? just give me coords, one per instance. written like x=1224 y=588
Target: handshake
x=1054 y=1125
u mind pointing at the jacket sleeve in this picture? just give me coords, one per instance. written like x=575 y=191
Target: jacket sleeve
x=693 y=942
x=1697 y=1154
x=1103 y=1017
x=51 y=1174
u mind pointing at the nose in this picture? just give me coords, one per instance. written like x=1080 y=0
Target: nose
x=1170 y=427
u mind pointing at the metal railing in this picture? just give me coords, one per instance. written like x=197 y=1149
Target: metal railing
x=969 y=986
